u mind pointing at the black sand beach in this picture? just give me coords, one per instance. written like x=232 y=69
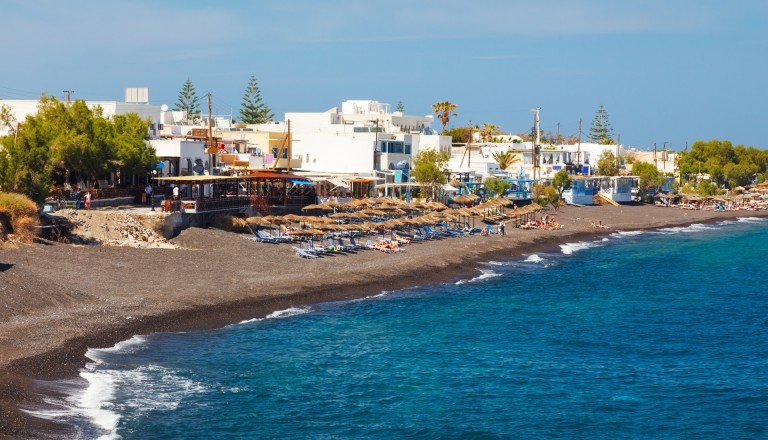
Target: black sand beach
x=57 y=300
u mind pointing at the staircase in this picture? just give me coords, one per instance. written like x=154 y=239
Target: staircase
x=602 y=198
x=261 y=205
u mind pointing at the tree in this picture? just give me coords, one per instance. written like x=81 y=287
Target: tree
x=487 y=131
x=7 y=119
x=72 y=139
x=739 y=174
x=430 y=168
x=562 y=181
x=444 y=111
x=459 y=134
x=506 y=159
x=132 y=152
x=545 y=194
x=601 y=131
x=253 y=110
x=24 y=161
x=606 y=164
x=650 y=178
x=496 y=186
x=188 y=102
x=400 y=107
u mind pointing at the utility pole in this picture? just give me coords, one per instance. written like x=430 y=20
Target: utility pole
x=210 y=137
x=557 y=136
x=578 y=151
x=655 y=164
x=618 y=145
x=69 y=94
x=536 y=141
x=290 y=144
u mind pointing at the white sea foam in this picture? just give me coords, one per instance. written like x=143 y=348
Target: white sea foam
x=752 y=219
x=570 y=248
x=484 y=275
x=133 y=345
x=625 y=234
x=247 y=321
x=495 y=263
x=696 y=227
x=293 y=311
x=534 y=258
x=94 y=402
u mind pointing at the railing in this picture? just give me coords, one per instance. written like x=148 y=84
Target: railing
x=218 y=204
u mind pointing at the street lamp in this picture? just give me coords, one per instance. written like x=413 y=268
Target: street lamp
x=152 y=194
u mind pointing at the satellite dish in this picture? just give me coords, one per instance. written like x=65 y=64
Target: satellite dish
x=164 y=107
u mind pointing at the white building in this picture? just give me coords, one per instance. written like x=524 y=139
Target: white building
x=360 y=138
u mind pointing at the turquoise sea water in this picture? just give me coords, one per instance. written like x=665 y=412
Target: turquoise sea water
x=642 y=335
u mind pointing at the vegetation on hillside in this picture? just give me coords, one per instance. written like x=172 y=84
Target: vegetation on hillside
x=726 y=164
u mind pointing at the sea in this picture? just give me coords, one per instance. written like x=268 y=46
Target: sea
x=637 y=335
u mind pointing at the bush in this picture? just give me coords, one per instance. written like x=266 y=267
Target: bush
x=22 y=217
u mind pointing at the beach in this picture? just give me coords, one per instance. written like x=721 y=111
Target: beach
x=58 y=300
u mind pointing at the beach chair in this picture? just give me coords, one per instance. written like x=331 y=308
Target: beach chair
x=262 y=236
x=304 y=253
x=355 y=245
x=433 y=233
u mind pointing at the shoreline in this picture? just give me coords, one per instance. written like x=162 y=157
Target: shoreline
x=46 y=336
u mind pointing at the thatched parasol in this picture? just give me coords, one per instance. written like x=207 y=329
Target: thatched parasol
x=465 y=198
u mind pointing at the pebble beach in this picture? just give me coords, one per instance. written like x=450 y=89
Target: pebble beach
x=58 y=300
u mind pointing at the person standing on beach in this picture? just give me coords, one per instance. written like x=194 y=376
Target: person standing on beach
x=502 y=227
x=88 y=200
x=148 y=191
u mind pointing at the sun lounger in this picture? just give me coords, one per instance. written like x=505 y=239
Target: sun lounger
x=263 y=237
x=304 y=253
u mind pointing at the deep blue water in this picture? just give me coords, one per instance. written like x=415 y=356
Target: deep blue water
x=652 y=335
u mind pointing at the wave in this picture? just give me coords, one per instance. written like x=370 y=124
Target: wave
x=570 y=248
x=132 y=345
x=696 y=227
x=752 y=219
x=534 y=258
x=484 y=275
x=287 y=313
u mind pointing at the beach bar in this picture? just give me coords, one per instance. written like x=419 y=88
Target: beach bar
x=617 y=188
x=263 y=191
x=582 y=191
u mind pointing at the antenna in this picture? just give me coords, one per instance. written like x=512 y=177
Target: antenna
x=69 y=94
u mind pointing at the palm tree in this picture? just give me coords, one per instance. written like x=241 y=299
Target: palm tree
x=444 y=110
x=488 y=131
x=506 y=159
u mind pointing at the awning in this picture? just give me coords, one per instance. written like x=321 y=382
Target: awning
x=301 y=181
x=449 y=188
x=336 y=182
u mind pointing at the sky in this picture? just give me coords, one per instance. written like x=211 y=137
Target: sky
x=668 y=72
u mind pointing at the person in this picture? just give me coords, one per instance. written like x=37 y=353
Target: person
x=502 y=227
x=148 y=191
x=175 y=192
x=88 y=200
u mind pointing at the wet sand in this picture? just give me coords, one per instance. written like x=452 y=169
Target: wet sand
x=58 y=300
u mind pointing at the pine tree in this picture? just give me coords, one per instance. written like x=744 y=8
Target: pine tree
x=400 y=107
x=188 y=101
x=601 y=131
x=253 y=110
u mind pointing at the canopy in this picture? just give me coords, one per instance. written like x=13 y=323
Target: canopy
x=302 y=181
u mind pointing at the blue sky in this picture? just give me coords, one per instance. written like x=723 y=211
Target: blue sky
x=670 y=71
